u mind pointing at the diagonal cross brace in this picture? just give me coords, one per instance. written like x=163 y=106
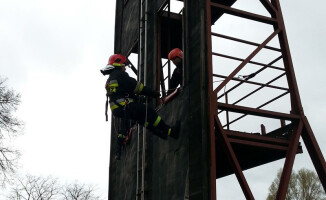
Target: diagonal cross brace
x=289 y=161
x=314 y=151
x=233 y=159
x=253 y=54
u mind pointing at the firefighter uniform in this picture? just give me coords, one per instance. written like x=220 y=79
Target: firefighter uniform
x=122 y=91
x=176 y=78
x=176 y=56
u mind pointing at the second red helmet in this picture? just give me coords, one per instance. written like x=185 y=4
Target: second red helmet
x=175 y=53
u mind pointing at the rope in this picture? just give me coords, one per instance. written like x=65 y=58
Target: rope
x=143 y=155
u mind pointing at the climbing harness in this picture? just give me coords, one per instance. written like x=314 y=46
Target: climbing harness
x=125 y=133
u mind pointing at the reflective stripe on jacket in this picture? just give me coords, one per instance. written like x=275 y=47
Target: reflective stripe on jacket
x=122 y=102
x=120 y=85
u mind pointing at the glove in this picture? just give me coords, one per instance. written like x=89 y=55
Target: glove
x=155 y=94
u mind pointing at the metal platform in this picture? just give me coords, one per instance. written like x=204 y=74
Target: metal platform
x=252 y=150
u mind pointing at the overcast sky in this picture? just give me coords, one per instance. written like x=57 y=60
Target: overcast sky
x=51 y=53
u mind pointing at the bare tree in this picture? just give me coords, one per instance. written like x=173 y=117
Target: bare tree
x=9 y=100
x=31 y=187
x=9 y=127
x=35 y=188
x=78 y=191
x=303 y=185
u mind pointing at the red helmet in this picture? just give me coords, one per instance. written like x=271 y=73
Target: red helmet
x=175 y=53
x=117 y=60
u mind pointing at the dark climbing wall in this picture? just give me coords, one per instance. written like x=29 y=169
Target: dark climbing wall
x=196 y=78
x=175 y=169
x=168 y=159
x=122 y=173
x=126 y=25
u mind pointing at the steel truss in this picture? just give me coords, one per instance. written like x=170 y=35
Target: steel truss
x=299 y=126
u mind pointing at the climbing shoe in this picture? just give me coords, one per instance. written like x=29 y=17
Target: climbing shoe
x=174 y=131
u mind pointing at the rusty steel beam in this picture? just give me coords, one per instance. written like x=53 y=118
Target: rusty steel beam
x=232 y=159
x=296 y=105
x=251 y=93
x=256 y=138
x=244 y=14
x=258 y=71
x=244 y=41
x=253 y=54
x=280 y=130
x=227 y=113
x=258 y=107
x=256 y=90
x=212 y=103
x=251 y=62
x=282 y=121
x=259 y=144
x=263 y=129
x=257 y=112
x=314 y=151
x=269 y=7
x=289 y=161
x=252 y=82
x=270 y=101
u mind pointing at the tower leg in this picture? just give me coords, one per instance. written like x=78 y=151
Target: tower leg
x=314 y=151
x=288 y=164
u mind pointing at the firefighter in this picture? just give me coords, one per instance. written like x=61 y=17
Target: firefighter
x=176 y=56
x=122 y=91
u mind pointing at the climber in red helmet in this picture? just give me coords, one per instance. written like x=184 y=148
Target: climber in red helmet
x=176 y=56
x=122 y=91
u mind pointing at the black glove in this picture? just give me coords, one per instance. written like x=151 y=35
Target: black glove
x=155 y=94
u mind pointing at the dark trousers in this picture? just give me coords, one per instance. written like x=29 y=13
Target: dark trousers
x=137 y=111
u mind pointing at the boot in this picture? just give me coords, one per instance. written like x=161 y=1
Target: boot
x=174 y=131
